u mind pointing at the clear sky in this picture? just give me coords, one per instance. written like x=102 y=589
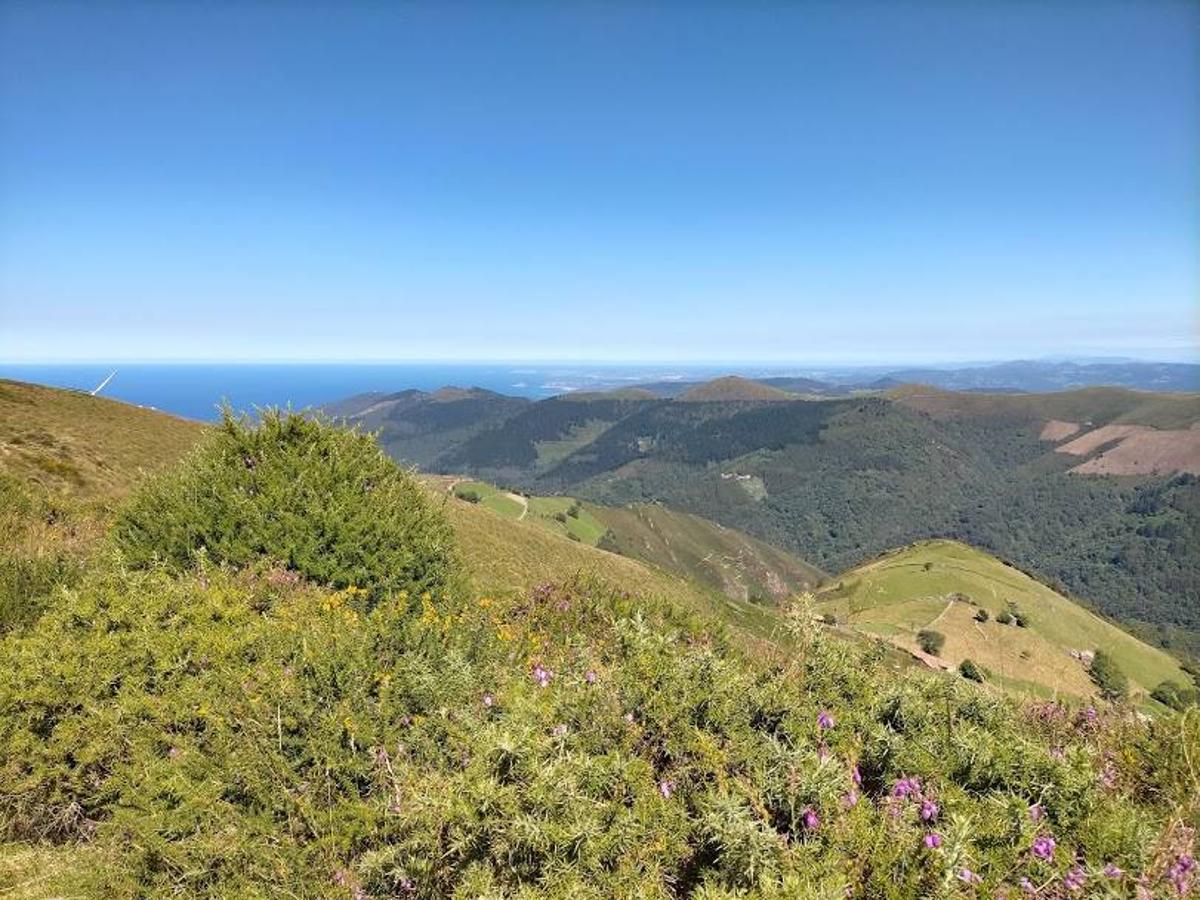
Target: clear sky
x=743 y=181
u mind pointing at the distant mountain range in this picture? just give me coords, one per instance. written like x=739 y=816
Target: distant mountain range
x=1026 y=376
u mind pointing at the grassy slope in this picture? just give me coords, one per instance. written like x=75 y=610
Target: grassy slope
x=730 y=560
x=504 y=554
x=896 y=596
x=92 y=447
x=724 y=559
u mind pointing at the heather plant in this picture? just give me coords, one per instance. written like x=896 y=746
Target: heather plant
x=324 y=502
x=225 y=732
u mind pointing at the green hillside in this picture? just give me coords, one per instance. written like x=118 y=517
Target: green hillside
x=733 y=562
x=290 y=670
x=91 y=447
x=943 y=585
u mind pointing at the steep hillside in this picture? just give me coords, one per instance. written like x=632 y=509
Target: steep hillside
x=65 y=459
x=944 y=586
x=733 y=562
x=712 y=559
x=839 y=481
x=418 y=427
x=90 y=446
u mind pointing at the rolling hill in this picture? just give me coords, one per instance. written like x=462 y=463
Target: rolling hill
x=731 y=388
x=839 y=480
x=514 y=541
x=320 y=705
x=943 y=586
x=726 y=560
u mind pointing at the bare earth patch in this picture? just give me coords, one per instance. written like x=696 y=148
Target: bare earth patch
x=1058 y=430
x=1137 y=450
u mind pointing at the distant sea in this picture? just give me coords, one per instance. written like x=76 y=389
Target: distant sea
x=196 y=390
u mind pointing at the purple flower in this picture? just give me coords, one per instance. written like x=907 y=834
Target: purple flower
x=666 y=788
x=542 y=675
x=590 y=677
x=1026 y=885
x=488 y=700
x=1112 y=871
x=559 y=730
x=933 y=840
x=929 y=811
x=810 y=819
x=968 y=876
x=906 y=787
x=1075 y=878
x=824 y=719
x=850 y=799
x=1180 y=873
x=856 y=775
x=1037 y=812
x=1043 y=846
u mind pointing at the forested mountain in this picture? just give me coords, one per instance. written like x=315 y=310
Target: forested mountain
x=838 y=481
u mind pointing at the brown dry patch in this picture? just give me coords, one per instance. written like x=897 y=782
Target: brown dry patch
x=1137 y=450
x=1058 y=430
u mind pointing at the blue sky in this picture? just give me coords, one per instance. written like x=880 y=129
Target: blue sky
x=851 y=182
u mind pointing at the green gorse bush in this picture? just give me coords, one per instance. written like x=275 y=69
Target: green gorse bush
x=321 y=501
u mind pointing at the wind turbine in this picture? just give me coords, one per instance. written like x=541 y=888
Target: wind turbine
x=102 y=385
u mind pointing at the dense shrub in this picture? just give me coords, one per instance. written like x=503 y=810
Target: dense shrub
x=1176 y=696
x=244 y=734
x=470 y=495
x=931 y=641
x=982 y=615
x=968 y=668
x=1108 y=675
x=1004 y=617
x=321 y=501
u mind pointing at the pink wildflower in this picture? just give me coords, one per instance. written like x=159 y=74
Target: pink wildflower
x=906 y=787
x=542 y=675
x=933 y=840
x=856 y=775
x=488 y=700
x=811 y=820
x=590 y=677
x=559 y=730
x=1111 y=870
x=1037 y=812
x=929 y=811
x=968 y=876
x=666 y=788
x=824 y=719
x=1043 y=847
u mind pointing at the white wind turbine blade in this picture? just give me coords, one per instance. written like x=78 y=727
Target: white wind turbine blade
x=102 y=385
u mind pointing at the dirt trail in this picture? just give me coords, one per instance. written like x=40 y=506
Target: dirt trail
x=522 y=500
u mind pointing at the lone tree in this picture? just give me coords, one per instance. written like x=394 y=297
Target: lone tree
x=931 y=641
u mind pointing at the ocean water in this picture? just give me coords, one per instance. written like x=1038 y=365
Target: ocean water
x=196 y=390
